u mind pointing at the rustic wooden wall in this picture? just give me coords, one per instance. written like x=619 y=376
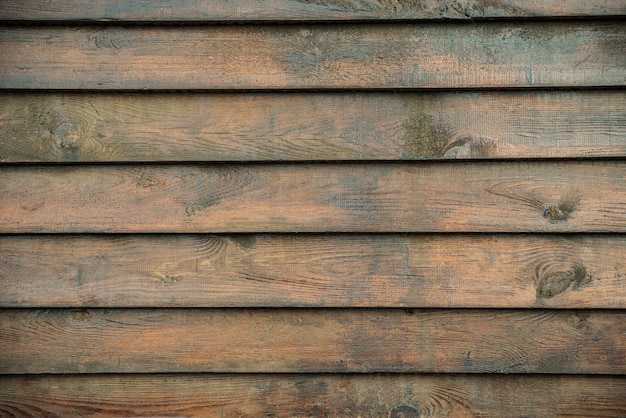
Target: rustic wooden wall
x=331 y=208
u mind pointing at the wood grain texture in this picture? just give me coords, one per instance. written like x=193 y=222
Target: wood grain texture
x=393 y=396
x=83 y=127
x=428 y=55
x=386 y=197
x=461 y=271
x=312 y=341
x=298 y=10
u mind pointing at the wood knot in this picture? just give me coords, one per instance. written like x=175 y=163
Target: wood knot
x=65 y=136
x=555 y=214
x=578 y=320
x=560 y=213
x=554 y=283
x=404 y=411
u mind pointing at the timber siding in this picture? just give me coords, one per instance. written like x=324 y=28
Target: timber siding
x=330 y=208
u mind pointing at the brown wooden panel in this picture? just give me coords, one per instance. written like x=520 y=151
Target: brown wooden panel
x=386 y=197
x=70 y=127
x=302 y=340
x=263 y=10
x=313 y=270
x=490 y=54
x=309 y=395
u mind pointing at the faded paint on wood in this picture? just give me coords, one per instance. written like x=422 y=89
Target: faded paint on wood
x=461 y=271
x=313 y=341
x=435 y=55
x=427 y=197
x=309 y=395
x=80 y=127
x=296 y=10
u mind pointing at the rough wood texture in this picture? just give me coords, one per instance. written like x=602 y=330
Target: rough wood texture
x=302 y=340
x=200 y=298
x=402 y=197
x=408 y=396
x=297 y=10
x=82 y=127
x=490 y=54
x=458 y=271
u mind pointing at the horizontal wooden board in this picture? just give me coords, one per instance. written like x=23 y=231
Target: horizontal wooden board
x=459 y=271
x=303 y=340
x=428 y=55
x=83 y=127
x=393 y=396
x=298 y=10
x=569 y=196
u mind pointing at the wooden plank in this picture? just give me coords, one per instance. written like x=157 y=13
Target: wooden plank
x=309 y=395
x=490 y=54
x=460 y=271
x=298 y=10
x=312 y=341
x=79 y=127
x=569 y=196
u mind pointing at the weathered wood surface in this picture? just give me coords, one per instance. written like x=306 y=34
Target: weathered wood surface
x=570 y=196
x=393 y=396
x=298 y=10
x=460 y=271
x=302 y=340
x=428 y=55
x=83 y=127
